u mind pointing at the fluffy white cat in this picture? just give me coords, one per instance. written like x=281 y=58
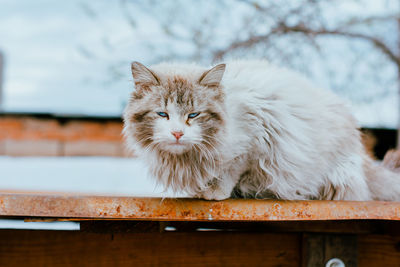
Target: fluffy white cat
x=250 y=129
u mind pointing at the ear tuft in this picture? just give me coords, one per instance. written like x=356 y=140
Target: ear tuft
x=212 y=77
x=143 y=75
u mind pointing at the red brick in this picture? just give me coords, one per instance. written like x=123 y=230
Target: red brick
x=31 y=147
x=92 y=148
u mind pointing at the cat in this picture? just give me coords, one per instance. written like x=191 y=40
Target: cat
x=251 y=129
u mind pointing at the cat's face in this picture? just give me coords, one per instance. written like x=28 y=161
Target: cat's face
x=174 y=113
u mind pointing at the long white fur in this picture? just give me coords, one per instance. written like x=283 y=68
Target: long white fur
x=286 y=138
x=301 y=136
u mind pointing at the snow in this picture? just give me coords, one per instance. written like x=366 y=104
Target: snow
x=20 y=224
x=380 y=113
x=81 y=175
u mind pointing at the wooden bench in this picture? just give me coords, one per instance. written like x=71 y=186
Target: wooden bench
x=129 y=231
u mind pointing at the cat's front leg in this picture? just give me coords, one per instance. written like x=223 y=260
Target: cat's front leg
x=219 y=189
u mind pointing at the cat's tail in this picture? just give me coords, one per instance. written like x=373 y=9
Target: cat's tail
x=384 y=178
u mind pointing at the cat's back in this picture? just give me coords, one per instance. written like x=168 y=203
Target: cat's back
x=249 y=79
x=262 y=76
x=272 y=93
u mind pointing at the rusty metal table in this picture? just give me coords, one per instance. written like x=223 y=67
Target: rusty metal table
x=120 y=231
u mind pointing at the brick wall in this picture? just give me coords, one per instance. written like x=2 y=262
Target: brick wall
x=49 y=135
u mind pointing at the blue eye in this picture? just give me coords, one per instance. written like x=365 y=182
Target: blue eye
x=193 y=115
x=163 y=114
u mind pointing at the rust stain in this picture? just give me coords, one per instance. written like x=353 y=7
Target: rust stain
x=180 y=209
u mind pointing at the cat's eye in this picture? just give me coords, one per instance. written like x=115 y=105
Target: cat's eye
x=163 y=114
x=193 y=115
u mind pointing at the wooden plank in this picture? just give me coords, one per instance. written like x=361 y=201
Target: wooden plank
x=332 y=227
x=112 y=226
x=59 y=248
x=379 y=250
x=62 y=248
x=319 y=249
x=180 y=209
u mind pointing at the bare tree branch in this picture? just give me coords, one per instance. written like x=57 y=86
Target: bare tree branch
x=282 y=28
x=369 y=20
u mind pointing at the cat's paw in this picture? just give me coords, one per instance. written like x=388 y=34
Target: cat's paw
x=215 y=194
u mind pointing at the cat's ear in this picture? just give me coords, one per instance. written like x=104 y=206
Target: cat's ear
x=212 y=77
x=143 y=75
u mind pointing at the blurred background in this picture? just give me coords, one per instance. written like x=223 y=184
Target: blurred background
x=65 y=74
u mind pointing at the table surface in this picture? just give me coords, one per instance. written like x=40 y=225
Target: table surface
x=78 y=207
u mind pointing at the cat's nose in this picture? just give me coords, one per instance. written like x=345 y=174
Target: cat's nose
x=177 y=134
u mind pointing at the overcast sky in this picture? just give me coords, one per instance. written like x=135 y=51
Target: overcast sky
x=57 y=58
x=72 y=57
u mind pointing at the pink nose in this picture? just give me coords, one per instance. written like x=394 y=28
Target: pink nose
x=177 y=135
